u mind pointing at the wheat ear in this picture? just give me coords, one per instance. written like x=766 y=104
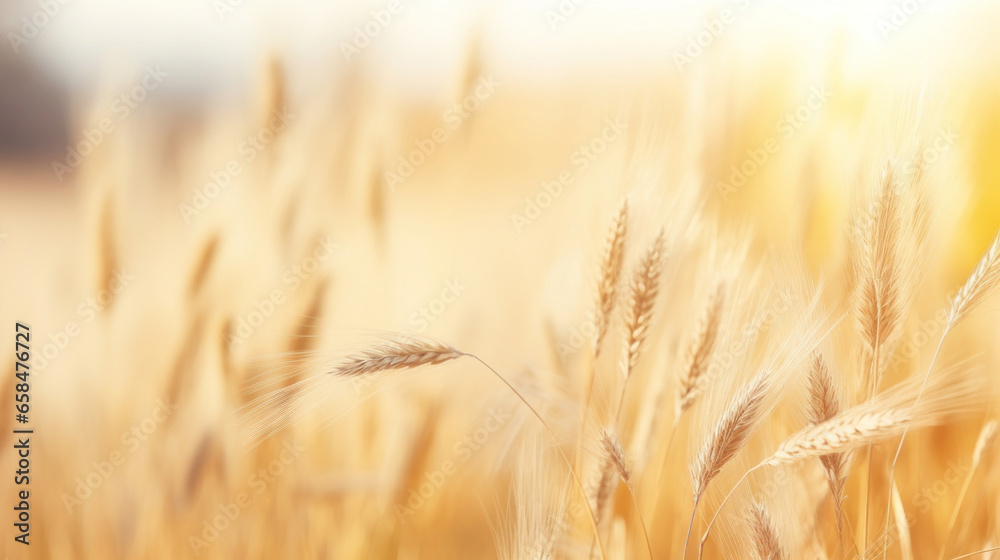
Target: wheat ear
x=615 y=455
x=397 y=354
x=880 y=303
x=825 y=403
x=730 y=434
x=610 y=275
x=642 y=295
x=979 y=285
x=410 y=352
x=766 y=544
x=842 y=433
x=699 y=351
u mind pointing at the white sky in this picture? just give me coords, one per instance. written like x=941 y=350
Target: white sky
x=92 y=39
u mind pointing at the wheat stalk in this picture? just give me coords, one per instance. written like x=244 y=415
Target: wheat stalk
x=409 y=352
x=902 y=525
x=986 y=437
x=976 y=289
x=983 y=443
x=879 y=304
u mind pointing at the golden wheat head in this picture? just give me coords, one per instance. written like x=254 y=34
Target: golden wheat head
x=642 y=297
x=610 y=274
x=398 y=354
x=766 y=545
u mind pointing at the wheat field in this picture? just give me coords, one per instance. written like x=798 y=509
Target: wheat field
x=732 y=299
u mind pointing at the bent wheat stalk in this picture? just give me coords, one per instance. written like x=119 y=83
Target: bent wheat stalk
x=977 y=553
x=986 y=437
x=410 y=352
x=976 y=289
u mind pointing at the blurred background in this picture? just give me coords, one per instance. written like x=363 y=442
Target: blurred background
x=198 y=195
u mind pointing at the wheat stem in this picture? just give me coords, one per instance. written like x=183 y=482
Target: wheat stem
x=687 y=538
x=704 y=538
x=978 y=552
x=660 y=470
x=892 y=468
x=985 y=437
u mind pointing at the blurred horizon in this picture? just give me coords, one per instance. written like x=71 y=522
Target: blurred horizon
x=213 y=48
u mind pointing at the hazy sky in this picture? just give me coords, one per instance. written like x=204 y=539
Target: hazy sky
x=89 y=40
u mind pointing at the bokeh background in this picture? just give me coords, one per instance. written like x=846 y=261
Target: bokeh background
x=167 y=168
